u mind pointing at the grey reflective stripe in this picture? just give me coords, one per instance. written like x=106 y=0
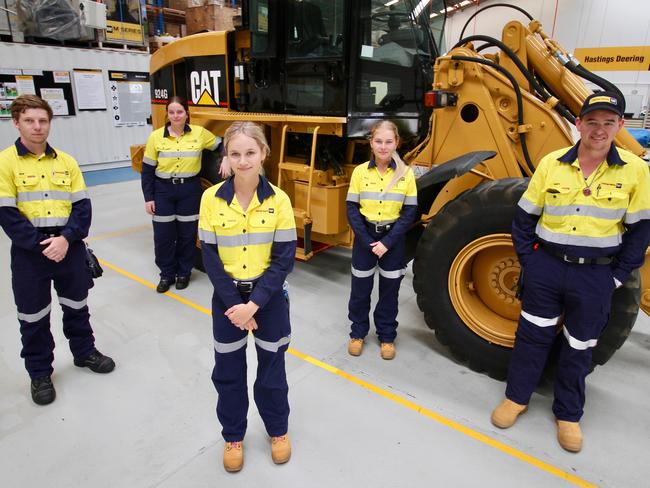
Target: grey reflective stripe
x=226 y=347
x=48 y=221
x=577 y=344
x=529 y=208
x=215 y=145
x=392 y=197
x=187 y=218
x=587 y=241
x=411 y=200
x=286 y=235
x=7 y=202
x=149 y=161
x=393 y=275
x=540 y=321
x=179 y=154
x=39 y=196
x=584 y=211
x=207 y=236
x=77 y=305
x=382 y=222
x=634 y=217
x=245 y=239
x=34 y=317
x=163 y=218
x=166 y=176
x=353 y=197
x=79 y=195
x=359 y=273
x=272 y=346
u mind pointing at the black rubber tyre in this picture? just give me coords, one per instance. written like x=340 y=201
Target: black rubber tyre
x=210 y=164
x=481 y=211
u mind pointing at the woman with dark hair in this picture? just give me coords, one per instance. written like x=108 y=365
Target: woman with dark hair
x=172 y=191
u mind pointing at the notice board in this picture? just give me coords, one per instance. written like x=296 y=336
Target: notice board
x=53 y=86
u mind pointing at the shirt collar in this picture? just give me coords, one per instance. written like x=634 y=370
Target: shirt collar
x=392 y=165
x=186 y=129
x=23 y=151
x=227 y=190
x=613 y=157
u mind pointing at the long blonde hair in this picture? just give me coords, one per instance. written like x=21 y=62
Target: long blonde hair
x=249 y=129
x=402 y=167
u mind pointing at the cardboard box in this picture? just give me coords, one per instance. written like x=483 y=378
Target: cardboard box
x=209 y=17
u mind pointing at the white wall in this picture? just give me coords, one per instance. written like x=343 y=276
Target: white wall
x=579 y=23
x=88 y=136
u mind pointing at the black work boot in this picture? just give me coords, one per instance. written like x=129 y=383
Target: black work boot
x=182 y=282
x=96 y=362
x=164 y=285
x=43 y=391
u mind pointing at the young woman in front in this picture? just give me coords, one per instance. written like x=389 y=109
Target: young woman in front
x=248 y=238
x=381 y=205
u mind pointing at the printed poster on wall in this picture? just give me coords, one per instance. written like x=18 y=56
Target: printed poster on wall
x=130 y=97
x=123 y=22
x=89 y=88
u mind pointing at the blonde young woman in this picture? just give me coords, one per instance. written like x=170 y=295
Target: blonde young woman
x=248 y=238
x=381 y=205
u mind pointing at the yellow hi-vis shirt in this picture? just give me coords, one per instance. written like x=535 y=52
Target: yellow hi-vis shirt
x=43 y=188
x=178 y=157
x=367 y=188
x=618 y=193
x=245 y=238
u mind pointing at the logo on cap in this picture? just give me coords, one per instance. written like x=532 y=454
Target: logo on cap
x=603 y=99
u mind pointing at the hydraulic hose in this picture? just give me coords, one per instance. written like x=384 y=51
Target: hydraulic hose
x=520 y=103
x=583 y=72
x=462 y=33
x=543 y=93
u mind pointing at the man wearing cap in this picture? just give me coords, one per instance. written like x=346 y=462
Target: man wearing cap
x=581 y=228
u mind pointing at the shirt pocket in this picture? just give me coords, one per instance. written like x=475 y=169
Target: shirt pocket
x=26 y=182
x=612 y=198
x=263 y=222
x=227 y=225
x=554 y=196
x=61 y=180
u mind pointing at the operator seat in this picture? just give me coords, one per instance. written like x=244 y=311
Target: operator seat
x=308 y=31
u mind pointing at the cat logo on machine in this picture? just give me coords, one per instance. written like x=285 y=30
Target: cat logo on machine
x=204 y=87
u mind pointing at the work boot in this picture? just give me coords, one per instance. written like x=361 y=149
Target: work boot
x=182 y=282
x=569 y=435
x=505 y=415
x=233 y=456
x=96 y=362
x=387 y=350
x=280 y=449
x=355 y=346
x=164 y=284
x=43 y=391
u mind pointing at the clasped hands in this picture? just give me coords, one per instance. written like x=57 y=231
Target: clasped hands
x=378 y=248
x=241 y=315
x=57 y=248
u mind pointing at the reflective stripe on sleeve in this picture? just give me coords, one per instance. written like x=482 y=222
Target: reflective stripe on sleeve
x=634 y=217
x=577 y=344
x=149 y=161
x=77 y=305
x=35 y=317
x=540 y=321
x=411 y=200
x=529 y=208
x=393 y=275
x=215 y=145
x=272 y=346
x=226 y=347
x=7 y=202
x=79 y=195
x=207 y=236
x=285 y=235
x=352 y=197
x=359 y=273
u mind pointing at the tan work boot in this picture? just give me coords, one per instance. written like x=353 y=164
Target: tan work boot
x=233 y=456
x=505 y=415
x=569 y=435
x=280 y=449
x=387 y=350
x=355 y=346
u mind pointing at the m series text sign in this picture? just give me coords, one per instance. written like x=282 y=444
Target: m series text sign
x=631 y=58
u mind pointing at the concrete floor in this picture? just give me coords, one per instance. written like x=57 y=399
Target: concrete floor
x=419 y=420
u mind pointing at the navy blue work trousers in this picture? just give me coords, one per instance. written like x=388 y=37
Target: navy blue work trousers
x=32 y=275
x=391 y=272
x=174 y=226
x=556 y=292
x=270 y=390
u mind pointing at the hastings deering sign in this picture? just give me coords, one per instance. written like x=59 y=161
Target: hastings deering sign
x=632 y=58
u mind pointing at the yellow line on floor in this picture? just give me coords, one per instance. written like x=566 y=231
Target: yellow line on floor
x=118 y=233
x=485 y=439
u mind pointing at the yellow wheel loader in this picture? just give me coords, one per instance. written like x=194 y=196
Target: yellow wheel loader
x=316 y=74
